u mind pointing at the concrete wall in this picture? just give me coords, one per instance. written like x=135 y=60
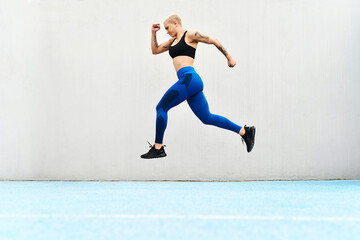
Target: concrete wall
x=79 y=86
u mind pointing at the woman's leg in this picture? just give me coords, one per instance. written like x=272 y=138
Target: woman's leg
x=174 y=96
x=200 y=107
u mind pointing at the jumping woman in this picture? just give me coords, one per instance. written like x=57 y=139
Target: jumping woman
x=182 y=47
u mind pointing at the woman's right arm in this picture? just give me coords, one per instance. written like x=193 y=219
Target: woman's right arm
x=156 y=49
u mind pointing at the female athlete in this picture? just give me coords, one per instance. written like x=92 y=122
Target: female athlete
x=182 y=48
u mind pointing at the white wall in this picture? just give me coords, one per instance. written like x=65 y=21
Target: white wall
x=79 y=87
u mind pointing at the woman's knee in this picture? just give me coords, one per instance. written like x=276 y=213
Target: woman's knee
x=206 y=119
x=160 y=111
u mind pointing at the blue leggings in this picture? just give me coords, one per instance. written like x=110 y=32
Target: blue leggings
x=189 y=87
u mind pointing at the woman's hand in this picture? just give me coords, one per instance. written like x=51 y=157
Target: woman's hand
x=155 y=27
x=231 y=62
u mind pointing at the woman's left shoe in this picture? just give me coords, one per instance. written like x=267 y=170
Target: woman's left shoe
x=154 y=153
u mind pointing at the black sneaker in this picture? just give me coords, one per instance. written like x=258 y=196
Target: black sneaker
x=154 y=153
x=249 y=137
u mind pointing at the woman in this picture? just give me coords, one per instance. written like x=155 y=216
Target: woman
x=182 y=47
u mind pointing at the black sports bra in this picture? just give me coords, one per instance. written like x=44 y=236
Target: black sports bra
x=182 y=49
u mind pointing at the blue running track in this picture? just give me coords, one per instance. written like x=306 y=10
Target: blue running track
x=180 y=210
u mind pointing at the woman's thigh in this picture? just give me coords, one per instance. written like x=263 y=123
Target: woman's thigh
x=175 y=95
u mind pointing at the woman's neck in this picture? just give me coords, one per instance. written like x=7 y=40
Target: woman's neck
x=179 y=33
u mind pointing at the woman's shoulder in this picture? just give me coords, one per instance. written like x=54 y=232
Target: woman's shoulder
x=191 y=35
x=194 y=35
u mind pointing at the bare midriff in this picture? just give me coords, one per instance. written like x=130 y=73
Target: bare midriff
x=182 y=61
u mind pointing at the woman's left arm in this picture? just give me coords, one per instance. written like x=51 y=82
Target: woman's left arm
x=198 y=37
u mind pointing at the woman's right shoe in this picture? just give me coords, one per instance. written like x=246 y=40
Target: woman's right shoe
x=249 y=137
x=154 y=153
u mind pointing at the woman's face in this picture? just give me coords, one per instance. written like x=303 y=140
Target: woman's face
x=170 y=28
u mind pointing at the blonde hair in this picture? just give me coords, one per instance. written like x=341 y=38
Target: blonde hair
x=174 y=18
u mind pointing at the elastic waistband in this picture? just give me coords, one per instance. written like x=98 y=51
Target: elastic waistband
x=184 y=70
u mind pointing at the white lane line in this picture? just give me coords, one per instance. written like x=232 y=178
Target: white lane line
x=203 y=217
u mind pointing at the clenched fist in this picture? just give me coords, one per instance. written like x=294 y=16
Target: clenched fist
x=155 y=27
x=231 y=62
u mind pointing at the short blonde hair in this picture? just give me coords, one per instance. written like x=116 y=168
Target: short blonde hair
x=174 y=18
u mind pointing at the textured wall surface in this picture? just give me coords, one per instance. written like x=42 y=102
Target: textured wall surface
x=79 y=87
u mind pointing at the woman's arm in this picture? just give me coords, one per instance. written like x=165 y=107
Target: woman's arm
x=198 y=37
x=155 y=48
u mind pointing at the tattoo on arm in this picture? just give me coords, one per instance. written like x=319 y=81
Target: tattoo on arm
x=165 y=47
x=206 y=38
x=155 y=41
x=222 y=49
